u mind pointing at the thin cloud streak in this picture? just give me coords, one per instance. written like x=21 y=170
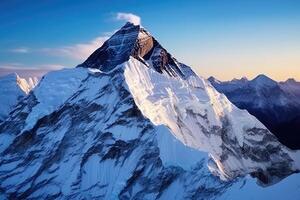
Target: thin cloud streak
x=28 y=71
x=77 y=51
x=80 y=51
x=20 y=50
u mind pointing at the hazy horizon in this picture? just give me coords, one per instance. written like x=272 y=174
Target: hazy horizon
x=39 y=73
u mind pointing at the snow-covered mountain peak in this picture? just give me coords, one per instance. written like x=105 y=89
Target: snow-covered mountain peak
x=115 y=50
x=134 y=40
x=12 y=89
x=131 y=122
x=14 y=79
x=263 y=80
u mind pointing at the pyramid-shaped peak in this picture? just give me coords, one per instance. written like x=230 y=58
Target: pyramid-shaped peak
x=263 y=80
x=133 y=40
x=128 y=28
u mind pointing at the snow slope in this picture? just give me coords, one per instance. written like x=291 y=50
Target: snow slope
x=12 y=89
x=196 y=114
x=96 y=144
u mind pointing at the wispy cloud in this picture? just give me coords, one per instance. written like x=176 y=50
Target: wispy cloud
x=78 y=51
x=28 y=71
x=20 y=50
x=129 y=17
x=16 y=66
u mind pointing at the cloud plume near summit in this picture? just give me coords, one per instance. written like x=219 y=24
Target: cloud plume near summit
x=129 y=17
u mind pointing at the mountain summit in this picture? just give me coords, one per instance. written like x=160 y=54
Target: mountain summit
x=131 y=122
x=134 y=41
x=263 y=81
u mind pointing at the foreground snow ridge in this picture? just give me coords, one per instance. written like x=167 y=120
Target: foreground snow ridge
x=203 y=119
x=132 y=122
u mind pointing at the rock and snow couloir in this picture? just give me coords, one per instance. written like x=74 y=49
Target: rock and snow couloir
x=132 y=122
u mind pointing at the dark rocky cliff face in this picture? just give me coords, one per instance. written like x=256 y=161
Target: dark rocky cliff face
x=133 y=40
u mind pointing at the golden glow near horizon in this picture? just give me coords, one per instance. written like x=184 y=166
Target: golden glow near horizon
x=278 y=67
x=246 y=52
x=278 y=74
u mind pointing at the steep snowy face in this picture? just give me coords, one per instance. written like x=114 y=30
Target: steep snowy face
x=12 y=89
x=203 y=119
x=91 y=141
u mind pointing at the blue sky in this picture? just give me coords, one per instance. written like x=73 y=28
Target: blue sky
x=224 y=38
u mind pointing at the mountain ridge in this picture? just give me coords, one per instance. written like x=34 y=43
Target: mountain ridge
x=276 y=104
x=136 y=41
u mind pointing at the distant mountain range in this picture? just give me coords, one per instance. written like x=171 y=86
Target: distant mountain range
x=275 y=104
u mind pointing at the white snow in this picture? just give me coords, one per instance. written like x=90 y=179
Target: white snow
x=54 y=89
x=192 y=109
x=263 y=81
x=12 y=90
x=174 y=153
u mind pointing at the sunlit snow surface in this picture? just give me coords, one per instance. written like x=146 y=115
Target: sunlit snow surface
x=195 y=112
x=12 y=89
x=89 y=141
x=56 y=89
